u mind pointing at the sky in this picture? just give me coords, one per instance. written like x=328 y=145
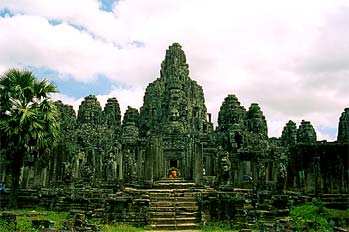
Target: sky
x=290 y=56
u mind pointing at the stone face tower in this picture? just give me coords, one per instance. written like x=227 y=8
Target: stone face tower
x=343 y=127
x=172 y=116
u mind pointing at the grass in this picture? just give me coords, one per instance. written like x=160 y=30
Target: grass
x=122 y=228
x=339 y=214
x=214 y=228
x=25 y=216
x=221 y=227
x=308 y=213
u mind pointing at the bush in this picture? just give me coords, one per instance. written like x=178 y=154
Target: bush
x=312 y=217
x=6 y=226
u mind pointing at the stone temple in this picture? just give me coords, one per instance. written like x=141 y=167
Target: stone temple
x=173 y=131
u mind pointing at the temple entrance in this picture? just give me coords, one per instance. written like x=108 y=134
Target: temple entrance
x=174 y=163
x=173 y=168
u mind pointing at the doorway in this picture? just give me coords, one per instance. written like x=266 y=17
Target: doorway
x=173 y=163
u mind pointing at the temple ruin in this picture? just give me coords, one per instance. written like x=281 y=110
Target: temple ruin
x=174 y=131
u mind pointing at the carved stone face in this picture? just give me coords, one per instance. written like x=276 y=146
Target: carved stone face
x=174 y=115
x=87 y=117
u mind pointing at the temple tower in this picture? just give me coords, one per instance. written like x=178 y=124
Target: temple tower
x=172 y=118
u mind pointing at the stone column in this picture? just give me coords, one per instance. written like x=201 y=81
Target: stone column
x=156 y=158
x=44 y=179
x=121 y=167
x=189 y=159
x=198 y=163
x=139 y=162
x=148 y=167
x=25 y=174
x=37 y=173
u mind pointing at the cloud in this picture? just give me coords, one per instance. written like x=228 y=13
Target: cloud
x=289 y=56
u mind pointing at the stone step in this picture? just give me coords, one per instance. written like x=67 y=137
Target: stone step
x=173 y=180
x=172 y=209
x=334 y=196
x=172 y=214
x=176 y=190
x=174 y=185
x=243 y=190
x=329 y=199
x=337 y=205
x=181 y=226
x=172 y=197
x=177 y=220
x=173 y=203
x=265 y=213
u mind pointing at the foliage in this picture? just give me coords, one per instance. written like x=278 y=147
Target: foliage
x=337 y=213
x=28 y=115
x=122 y=228
x=6 y=227
x=312 y=217
x=28 y=122
x=341 y=217
x=219 y=226
x=27 y=226
x=39 y=214
x=25 y=216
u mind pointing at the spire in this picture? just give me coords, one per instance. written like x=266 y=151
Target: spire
x=289 y=134
x=174 y=67
x=255 y=121
x=343 y=127
x=89 y=111
x=306 y=133
x=231 y=112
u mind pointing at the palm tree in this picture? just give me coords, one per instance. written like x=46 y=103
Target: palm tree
x=28 y=119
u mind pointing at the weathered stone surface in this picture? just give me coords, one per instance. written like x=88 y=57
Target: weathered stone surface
x=130 y=130
x=173 y=111
x=230 y=113
x=255 y=121
x=111 y=113
x=343 y=127
x=306 y=133
x=89 y=111
x=289 y=134
x=174 y=104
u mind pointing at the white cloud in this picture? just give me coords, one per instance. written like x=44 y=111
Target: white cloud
x=126 y=97
x=289 y=56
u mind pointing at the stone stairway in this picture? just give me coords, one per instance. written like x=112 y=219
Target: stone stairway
x=173 y=205
x=335 y=201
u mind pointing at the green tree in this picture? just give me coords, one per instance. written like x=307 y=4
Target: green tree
x=28 y=120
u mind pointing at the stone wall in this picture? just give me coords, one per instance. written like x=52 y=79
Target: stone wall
x=104 y=204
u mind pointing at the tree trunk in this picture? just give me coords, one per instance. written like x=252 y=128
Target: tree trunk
x=16 y=172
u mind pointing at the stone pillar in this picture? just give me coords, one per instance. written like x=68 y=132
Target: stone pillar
x=188 y=171
x=121 y=167
x=37 y=173
x=148 y=167
x=139 y=162
x=44 y=179
x=198 y=163
x=25 y=175
x=155 y=150
x=317 y=173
